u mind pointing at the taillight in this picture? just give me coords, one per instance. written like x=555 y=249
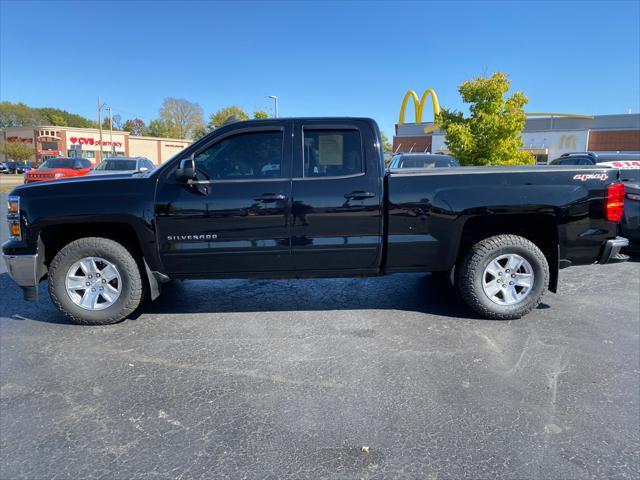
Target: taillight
x=614 y=205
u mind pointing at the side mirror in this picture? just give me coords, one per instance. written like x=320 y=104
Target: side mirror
x=187 y=169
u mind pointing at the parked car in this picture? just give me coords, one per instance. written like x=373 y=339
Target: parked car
x=4 y=168
x=123 y=164
x=331 y=209
x=591 y=158
x=57 y=168
x=422 y=160
x=630 y=176
x=16 y=167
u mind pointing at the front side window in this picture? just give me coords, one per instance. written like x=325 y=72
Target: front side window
x=246 y=156
x=332 y=153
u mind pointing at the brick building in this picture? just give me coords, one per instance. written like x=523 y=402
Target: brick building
x=51 y=141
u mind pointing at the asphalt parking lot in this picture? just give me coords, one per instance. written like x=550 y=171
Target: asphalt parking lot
x=291 y=379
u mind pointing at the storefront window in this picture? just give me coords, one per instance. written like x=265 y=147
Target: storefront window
x=90 y=154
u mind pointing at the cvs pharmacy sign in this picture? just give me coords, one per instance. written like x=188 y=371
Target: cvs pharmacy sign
x=82 y=141
x=91 y=141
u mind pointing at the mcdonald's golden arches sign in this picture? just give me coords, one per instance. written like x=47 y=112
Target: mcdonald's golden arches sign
x=418 y=106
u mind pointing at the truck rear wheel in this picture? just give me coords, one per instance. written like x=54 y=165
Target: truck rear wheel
x=503 y=277
x=95 y=281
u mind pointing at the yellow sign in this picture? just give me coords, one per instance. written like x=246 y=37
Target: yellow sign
x=567 y=141
x=418 y=106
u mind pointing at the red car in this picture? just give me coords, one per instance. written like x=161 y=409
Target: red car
x=58 y=167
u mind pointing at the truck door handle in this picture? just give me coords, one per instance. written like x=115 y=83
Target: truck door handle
x=269 y=197
x=359 y=195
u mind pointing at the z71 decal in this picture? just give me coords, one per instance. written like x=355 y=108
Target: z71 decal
x=591 y=176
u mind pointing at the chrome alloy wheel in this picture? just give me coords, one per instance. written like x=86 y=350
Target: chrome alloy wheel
x=508 y=279
x=93 y=283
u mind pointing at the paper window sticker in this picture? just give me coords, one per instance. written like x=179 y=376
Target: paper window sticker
x=330 y=149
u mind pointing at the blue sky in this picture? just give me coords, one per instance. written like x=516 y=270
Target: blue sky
x=328 y=58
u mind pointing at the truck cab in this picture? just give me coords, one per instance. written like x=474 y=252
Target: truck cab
x=302 y=196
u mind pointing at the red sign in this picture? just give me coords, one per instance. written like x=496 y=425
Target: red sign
x=49 y=152
x=91 y=141
x=81 y=140
x=626 y=164
x=19 y=139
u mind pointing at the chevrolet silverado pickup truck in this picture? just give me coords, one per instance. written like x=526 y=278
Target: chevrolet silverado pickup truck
x=308 y=197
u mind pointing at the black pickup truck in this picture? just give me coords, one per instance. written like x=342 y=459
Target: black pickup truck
x=308 y=197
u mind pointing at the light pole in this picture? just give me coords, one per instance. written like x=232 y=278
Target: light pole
x=100 y=125
x=113 y=151
x=275 y=100
x=100 y=107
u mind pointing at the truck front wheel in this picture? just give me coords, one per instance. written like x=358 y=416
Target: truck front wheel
x=95 y=281
x=503 y=277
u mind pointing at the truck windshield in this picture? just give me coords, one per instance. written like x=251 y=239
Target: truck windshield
x=58 y=163
x=117 y=165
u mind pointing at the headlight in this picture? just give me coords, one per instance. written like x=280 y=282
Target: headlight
x=13 y=204
x=13 y=216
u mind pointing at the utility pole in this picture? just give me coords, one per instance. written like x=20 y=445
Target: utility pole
x=275 y=99
x=100 y=127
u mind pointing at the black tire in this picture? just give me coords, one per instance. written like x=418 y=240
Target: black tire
x=131 y=290
x=471 y=269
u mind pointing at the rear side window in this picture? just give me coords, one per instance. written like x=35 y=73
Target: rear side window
x=246 y=156
x=332 y=153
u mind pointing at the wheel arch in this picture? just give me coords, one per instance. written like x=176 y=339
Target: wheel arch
x=539 y=228
x=53 y=237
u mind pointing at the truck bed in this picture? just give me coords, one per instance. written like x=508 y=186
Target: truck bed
x=429 y=209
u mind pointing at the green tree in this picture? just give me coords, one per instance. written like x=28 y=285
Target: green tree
x=221 y=116
x=200 y=131
x=159 y=128
x=21 y=115
x=18 y=115
x=181 y=116
x=135 y=127
x=52 y=115
x=18 y=151
x=385 y=143
x=117 y=123
x=259 y=114
x=58 y=120
x=491 y=135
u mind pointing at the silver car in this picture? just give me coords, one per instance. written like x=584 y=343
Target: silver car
x=422 y=160
x=122 y=164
